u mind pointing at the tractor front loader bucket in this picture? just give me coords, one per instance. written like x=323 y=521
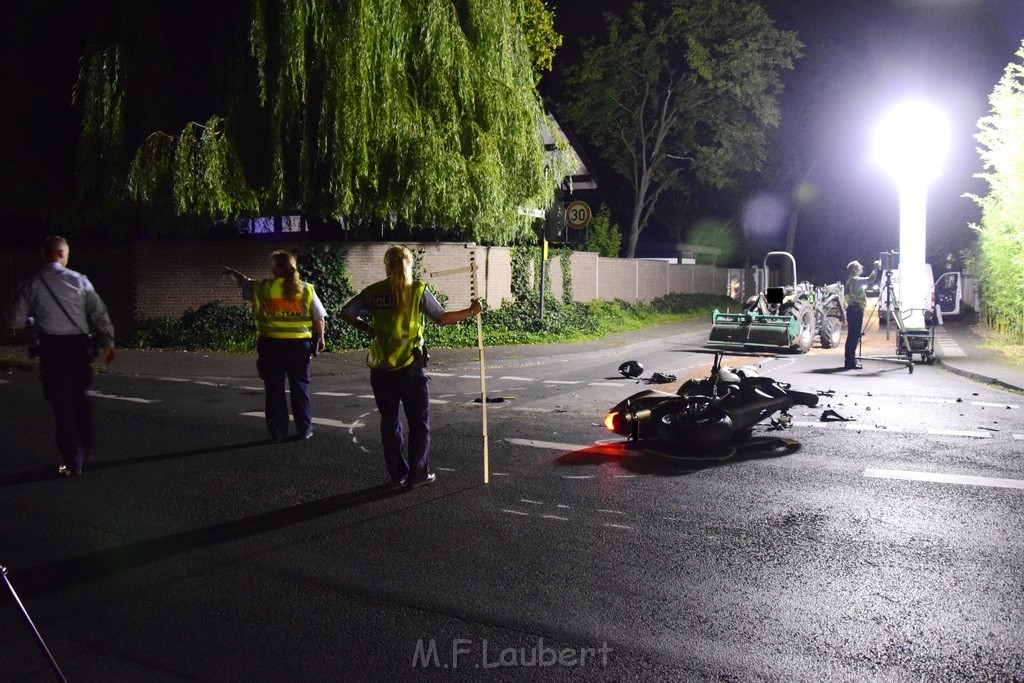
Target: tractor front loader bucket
x=754 y=329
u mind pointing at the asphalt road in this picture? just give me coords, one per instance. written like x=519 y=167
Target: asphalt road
x=887 y=547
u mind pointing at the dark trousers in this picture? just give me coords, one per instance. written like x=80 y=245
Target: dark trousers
x=407 y=387
x=278 y=359
x=65 y=364
x=854 y=326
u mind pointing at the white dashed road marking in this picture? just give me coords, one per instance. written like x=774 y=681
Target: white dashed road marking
x=331 y=393
x=319 y=421
x=131 y=399
x=517 y=379
x=945 y=478
x=562 y=381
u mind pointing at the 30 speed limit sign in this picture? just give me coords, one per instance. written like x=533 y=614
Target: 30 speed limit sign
x=578 y=214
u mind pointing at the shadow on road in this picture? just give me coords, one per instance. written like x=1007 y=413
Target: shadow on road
x=641 y=459
x=49 y=473
x=94 y=565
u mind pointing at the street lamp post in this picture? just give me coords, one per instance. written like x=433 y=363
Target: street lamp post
x=910 y=143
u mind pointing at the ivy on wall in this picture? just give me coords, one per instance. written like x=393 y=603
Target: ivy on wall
x=526 y=268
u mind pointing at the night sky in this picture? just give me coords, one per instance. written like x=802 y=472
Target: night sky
x=859 y=55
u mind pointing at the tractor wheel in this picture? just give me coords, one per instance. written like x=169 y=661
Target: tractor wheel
x=804 y=313
x=830 y=333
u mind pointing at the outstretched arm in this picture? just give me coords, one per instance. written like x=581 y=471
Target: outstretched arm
x=239 y=277
x=452 y=317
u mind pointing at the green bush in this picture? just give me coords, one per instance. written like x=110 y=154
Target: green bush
x=230 y=328
x=211 y=326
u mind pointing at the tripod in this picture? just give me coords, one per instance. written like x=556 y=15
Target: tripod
x=35 y=631
x=903 y=354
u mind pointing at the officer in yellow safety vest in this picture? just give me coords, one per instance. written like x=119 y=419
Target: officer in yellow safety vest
x=856 y=302
x=392 y=311
x=290 y=328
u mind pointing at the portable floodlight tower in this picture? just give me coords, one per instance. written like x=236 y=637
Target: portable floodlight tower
x=910 y=143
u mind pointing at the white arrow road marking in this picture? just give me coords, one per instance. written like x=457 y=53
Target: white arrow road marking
x=130 y=399
x=945 y=478
x=319 y=421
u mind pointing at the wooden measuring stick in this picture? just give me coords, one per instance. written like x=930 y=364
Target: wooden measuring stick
x=472 y=268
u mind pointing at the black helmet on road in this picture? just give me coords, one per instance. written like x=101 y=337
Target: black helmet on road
x=631 y=369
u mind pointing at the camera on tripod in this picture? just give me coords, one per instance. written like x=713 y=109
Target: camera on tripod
x=889 y=260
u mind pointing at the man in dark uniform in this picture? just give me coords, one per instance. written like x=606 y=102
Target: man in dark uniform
x=68 y=316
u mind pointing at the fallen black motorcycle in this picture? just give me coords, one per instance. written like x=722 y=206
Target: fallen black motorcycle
x=706 y=414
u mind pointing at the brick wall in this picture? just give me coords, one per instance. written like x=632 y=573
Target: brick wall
x=167 y=278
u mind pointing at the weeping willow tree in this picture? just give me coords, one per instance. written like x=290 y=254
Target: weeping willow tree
x=999 y=263
x=419 y=113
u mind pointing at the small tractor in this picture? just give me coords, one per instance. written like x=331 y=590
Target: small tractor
x=789 y=317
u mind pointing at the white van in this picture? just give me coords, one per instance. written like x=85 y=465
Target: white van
x=943 y=295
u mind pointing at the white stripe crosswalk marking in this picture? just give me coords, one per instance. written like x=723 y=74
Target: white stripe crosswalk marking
x=938 y=477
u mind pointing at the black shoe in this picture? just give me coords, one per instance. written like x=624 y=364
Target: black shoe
x=64 y=471
x=425 y=481
x=398 y=483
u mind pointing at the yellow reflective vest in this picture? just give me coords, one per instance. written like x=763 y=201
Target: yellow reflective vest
x=280 y=316
x=394 y=337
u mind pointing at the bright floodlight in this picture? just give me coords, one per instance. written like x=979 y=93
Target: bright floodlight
x=911 y=140
x=910 y=143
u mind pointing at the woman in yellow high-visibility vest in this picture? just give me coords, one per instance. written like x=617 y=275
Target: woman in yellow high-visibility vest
x=392 y=311
x=290 y=327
